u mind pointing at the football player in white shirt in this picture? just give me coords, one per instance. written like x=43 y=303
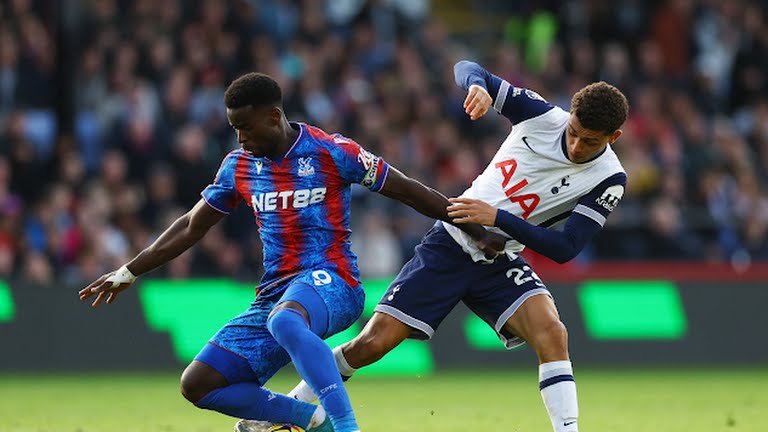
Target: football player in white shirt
x=554 y=168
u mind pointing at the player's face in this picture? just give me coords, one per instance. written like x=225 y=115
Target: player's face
x=257 y=128
x=584 y=144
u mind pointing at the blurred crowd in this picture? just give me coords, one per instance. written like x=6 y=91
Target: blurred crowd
x=148 y=127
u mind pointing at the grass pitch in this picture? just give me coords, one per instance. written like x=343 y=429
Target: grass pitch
x=638 y=400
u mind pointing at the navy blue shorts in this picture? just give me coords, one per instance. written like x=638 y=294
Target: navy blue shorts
x=441 y=274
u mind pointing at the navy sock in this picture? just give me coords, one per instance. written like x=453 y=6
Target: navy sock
x=314 y=361
x=251 y=401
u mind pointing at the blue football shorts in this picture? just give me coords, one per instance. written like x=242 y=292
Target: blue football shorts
x=441 y=274
x=332 y=305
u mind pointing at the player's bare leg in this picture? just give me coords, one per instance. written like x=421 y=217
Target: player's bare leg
x=538 y=323
x=199 y=379
x=381 y=335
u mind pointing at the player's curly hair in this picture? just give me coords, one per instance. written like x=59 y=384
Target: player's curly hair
x=254 y=89
x=600 y=107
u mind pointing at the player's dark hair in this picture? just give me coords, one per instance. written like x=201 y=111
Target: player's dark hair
x=254 y=89
x=600 y=107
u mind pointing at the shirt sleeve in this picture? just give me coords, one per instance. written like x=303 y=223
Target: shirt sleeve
x=356 y=165
x=222 y=194
x=600 y=201
x=515 y=103
x=584 y=222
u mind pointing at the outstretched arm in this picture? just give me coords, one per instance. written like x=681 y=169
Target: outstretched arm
x=485 y=90
x=177 y=238
x=356 y=165
x=432 y=203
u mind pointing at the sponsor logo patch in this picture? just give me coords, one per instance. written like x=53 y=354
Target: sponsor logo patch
x=287 y=199
x=371 y=165
x=611 y=197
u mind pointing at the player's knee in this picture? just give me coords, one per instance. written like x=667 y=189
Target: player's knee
x=195 y=384
x=557 y=333
x=551 y=336
x=191 y=389
x=285 y=323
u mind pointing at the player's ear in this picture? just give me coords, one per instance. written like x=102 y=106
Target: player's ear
x=275 y=115
x=614 y=136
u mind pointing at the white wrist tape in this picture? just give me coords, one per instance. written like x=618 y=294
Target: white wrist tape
x=121 y=276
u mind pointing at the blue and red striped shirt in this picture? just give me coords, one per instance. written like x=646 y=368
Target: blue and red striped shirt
x=301 y=201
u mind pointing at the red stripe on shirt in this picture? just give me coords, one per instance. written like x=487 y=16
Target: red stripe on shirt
x=318 y=133
x=243 y=182
x=348 y=145
x=335 y=211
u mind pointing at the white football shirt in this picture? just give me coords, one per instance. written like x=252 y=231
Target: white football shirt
x=531 y=177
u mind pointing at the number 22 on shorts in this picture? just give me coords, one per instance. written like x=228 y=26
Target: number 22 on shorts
x=520 y=277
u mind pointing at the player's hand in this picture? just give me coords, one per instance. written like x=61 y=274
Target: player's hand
x=107 y=287
x=468 y=210
x=477 y=102
x=492 y=244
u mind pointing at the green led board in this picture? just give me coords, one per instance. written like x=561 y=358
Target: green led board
x=632 y=310
x=6 y=303
x=480 y=335
x=191 y=311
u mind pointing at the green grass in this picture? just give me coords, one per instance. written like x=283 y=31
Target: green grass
x=642 y=400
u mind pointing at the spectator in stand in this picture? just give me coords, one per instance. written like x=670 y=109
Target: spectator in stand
x=147 y=97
